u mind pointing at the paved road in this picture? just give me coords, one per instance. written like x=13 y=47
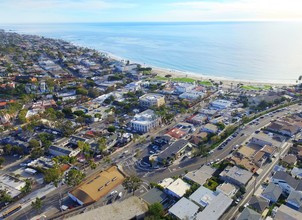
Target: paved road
x=250 y=188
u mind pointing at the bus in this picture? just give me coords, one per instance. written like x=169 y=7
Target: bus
x=10 y=211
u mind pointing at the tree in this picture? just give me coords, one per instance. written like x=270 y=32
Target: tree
x=74 y=177
x=111 y=128
x=28 y=186
x=132 y=183
x=2 y=160
x=4 y=196
x=82 y=91
x=92 y=164
x=156 y=211
x=53 y=175
x=102 y=144
x=37 y=204
x=33 y=143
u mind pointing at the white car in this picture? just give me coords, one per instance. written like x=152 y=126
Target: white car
x=113 y=192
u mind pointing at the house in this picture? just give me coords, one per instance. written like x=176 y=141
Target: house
x=297 y=172
x=178 y=188
x=183 y=87
x=154 y=195
x=263 y=139
x=283 y=128
x=290 y=159
x=201 y=175
x=285 y=212
x=63 y=151
x=216 y=208
x=191 y=95
x=130 y=208
x=199 y=137
x=152 y=100
x=175 y=150
x=184 y=209
x=176 y=133
x=96 y=186
x=197 y=119
x=145 y=121
x=227 y=189
x=221 y=104
x=210 y=128
x=259 y=158
x=166 y=182
x=294 y=200
x=286 y=182
x=272 y=192
x=203 y=196
x=259 y=204
x=236 y=175
x=249 y=214
x=264 y=154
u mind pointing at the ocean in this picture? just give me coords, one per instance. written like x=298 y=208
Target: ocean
x=253 y=51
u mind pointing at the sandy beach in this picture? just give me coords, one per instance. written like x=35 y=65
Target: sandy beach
x=226 y=82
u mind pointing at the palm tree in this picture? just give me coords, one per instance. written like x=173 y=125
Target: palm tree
x=132 y=183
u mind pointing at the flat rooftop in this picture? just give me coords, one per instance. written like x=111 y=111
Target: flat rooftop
x=125 y=210
x=98 y=185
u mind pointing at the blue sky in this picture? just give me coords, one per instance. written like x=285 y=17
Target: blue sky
x=20 y=11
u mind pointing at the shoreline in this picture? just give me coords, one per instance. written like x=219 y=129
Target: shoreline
x=162 y=71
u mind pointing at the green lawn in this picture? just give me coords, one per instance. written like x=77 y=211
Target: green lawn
x=183 y=80
x=265 y=87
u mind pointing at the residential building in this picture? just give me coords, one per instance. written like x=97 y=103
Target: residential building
x=184 y=209
x=154 y=195
x=236 y=175
x=227 y=189
x=210 y=128
x=178 y=188
x=184 y=87
x=294 y=200
x=263 y=139
x=297 y=172
x=221 y=104
x=166 y=182
x=283 y=127
x=249 y=214
x=97 y=186
x=272 y=192
x=259 y=204
x=285 y=212
x=286 y=182
x=201 y=175
x=152 y=100
x=191 y=95
x=203 y=196
x=130 y=208
x=290 y=159
x=63 y=151
x=145 y=121
x=216 y=208
x=197 y=119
